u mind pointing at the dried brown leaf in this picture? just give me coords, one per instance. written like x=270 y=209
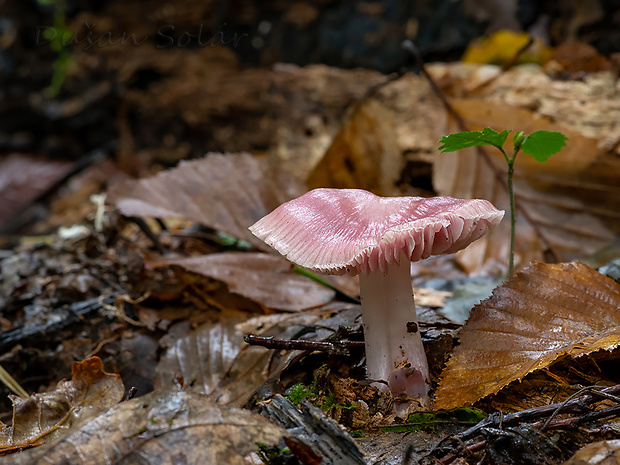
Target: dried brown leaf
x=598 y=453
x=266 y=279
x=542 y=314
x=160 y=427
x=45 y=416
x=202 y=356
x=363 y=154
x=225 y=192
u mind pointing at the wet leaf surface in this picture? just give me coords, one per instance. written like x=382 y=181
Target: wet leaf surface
x=44 y=417
x=544 y=313
x=225 y=192
x=202 y=356
x=598 y=453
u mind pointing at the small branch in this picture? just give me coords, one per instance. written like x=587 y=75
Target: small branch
x=148 y=232
x=579 y=406
x=594 y=390
x=505 y=67
x=336 y=348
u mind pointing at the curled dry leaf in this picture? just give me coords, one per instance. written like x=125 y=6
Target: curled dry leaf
x=598 y=453
x=44 y=417
x=545 y=312
x=227 y=192
x=174 y=427
x=266 y=279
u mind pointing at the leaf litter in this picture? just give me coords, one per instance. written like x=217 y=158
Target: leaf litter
x=142 y=202
x=176 y=426
x=246 y=372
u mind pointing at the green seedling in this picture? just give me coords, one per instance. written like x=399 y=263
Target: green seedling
x=540 y=145
x=58 y=37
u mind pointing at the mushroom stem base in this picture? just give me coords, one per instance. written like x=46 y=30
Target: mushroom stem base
x=394 y=350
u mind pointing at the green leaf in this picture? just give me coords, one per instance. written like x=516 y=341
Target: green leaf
x=416 y=421
x=542 y=144
x=463 y=140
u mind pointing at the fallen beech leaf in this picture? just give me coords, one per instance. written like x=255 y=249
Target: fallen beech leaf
x=545 y=312
x=577 y=57
x=45 y=416
x=202 y=356
x=363 y=155
x=264 y=278
x=598 y=453
x=160 y=427
x=227 y=192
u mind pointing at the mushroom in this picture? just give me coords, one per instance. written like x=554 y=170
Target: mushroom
x=352 y=231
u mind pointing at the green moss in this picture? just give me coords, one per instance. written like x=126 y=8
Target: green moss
x=299 y=392
x=273 y=455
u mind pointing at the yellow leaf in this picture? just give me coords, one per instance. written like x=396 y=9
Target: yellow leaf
x=502 y=45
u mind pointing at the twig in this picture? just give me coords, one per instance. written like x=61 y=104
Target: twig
x=505 y=67
x=573 y=406
x=563 y=423
x=596 y=390
x=117 y=309
x=148 y=232
x=497 y=173
x=337 y=348
x=77 y=312
x=131 y=393
x=576 y=405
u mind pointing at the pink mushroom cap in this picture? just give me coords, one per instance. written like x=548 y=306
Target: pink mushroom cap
x=352 y=231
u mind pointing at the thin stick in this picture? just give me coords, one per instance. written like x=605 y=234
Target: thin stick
x=576 y=405
x=338 y=348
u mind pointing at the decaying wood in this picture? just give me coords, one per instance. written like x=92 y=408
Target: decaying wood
x=314 y=431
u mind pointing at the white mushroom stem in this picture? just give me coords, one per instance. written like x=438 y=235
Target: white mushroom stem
x=394 y=350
